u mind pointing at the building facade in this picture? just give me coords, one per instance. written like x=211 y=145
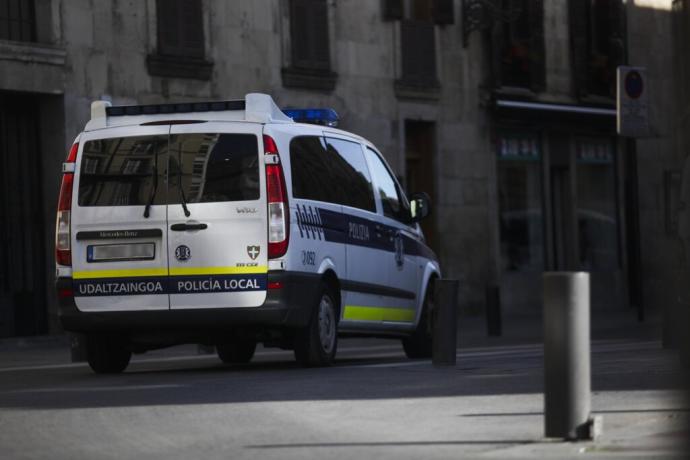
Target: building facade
x=502 y=110
x=678 y=176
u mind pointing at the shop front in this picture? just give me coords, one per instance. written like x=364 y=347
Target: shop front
x=559 y=195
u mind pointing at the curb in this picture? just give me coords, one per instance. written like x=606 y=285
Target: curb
x=57 y=340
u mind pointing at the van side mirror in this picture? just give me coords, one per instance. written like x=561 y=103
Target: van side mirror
x=420 y=206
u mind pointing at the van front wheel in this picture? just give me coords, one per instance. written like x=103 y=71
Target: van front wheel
x=107 y=354
x=316 y=344
x=419 y=344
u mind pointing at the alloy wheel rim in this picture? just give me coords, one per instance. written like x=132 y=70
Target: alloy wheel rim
x=326 y=324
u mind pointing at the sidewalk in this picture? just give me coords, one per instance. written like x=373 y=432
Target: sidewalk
x=610 y=324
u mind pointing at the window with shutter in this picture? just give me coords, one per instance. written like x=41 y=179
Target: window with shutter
x=419 y=52
x=444 y=13
x=418 y=49
x=310 y=65
x=518 y=46
x=392 y=9
x=180 y=47
x=598 y=45
x=422 y=10
x=180 y=28
x=17 y=20
x=309 y=34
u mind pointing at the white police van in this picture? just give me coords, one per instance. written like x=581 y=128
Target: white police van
x=227 y=224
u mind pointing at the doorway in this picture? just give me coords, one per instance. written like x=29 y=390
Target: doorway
x=561 y=204
x=22 y=271
x=420 y=167
x=584 y=226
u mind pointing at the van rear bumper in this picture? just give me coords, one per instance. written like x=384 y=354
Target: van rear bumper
x=287 y=307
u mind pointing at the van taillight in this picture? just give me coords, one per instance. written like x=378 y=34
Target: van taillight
x=72 y=155
x=278 y=210
x=63 y=249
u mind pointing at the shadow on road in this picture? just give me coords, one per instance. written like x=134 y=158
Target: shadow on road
x=205 y=381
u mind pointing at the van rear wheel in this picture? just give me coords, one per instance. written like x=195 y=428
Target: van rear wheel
x=236 y=352
x=316 y=344
x=107 y=354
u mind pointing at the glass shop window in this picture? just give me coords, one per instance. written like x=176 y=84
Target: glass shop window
x=521 y=221
x=597 y=223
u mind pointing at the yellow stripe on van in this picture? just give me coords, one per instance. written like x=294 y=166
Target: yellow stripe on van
x=130 y=273
x=191 y=271
x=179 y=271
x=360 y=313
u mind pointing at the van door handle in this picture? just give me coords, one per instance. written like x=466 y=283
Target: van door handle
x=184 y=227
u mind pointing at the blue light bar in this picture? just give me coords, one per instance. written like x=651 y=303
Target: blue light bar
x=326 y=117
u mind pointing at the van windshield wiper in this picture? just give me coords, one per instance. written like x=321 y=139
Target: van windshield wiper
x=147 y=209
x=179 y=182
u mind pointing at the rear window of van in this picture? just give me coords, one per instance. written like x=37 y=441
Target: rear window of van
x=131 y=171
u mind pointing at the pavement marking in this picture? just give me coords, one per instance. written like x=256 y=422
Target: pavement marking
x=94 y=389
x=396 y=364
x=42 y=367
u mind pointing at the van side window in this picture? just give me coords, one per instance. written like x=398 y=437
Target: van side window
x=392 y=199
x=330 y=170
x=352 y=170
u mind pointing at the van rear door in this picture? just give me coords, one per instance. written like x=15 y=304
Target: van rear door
x=119 y=256
x=217 y=216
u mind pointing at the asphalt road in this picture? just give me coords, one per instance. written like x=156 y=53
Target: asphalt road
x=373 y=404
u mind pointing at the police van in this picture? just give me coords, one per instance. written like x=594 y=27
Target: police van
x=232 y=223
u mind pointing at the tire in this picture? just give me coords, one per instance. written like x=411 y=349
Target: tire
x=107 y=354
x=420 y=344
x=317 y=343
x=236 y=352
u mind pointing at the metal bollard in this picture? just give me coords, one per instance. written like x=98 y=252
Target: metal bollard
x=445 y=322
x=567 y=389
x=493 y=311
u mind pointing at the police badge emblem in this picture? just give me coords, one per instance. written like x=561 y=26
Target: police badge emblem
x=183 y=253
x=253 y=251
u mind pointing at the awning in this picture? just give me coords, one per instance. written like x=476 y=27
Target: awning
x=562 y=108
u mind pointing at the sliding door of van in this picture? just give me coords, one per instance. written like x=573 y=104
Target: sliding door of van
x=119 y=220
x=217 y=216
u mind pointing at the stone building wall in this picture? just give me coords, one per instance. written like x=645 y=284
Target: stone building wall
x=89 y=49
x=649 y=39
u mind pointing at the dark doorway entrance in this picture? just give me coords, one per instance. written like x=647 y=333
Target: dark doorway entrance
x=420 y=148
x=562 y=254
x=584 y=213
x=22 y=274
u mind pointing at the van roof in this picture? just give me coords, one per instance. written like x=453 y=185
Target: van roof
x=255 y=107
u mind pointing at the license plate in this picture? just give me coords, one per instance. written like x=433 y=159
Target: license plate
x=116 y=252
